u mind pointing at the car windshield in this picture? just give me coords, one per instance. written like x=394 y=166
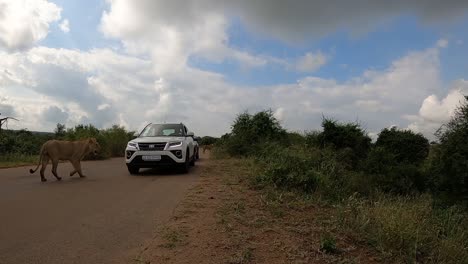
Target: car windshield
x=163 y=130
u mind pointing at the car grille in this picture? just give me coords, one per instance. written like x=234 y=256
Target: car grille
x=152 y=146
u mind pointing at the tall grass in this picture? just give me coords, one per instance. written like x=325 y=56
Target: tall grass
x=409 y=229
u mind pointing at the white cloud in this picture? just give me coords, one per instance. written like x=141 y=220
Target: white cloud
x=65 y=26
x=311 y=62
x=442 y=43
x=96 y=87
x=435 y=112
x=25 y=22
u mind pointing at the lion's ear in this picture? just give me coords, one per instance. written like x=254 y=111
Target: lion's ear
x=90 y=140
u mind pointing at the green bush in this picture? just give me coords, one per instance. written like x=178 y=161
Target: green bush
x=22 y=142
x=394 y=162
x=207 y=140
x=312 y=139
x=345 y=136
x=249 y=132
x=387 y=174
x=287 y=168
x=450 y=166
x=116 y=139
x=406 y=146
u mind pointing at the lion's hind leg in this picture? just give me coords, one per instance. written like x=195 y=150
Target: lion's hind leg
x=54 y=169
x=45 y=161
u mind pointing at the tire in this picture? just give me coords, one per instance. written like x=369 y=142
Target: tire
x=186 y=166
x=197 y=156
x=192 y=161
x=133 y=170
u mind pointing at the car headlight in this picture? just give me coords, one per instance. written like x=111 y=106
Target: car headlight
x=175 y=144
x=132 y=145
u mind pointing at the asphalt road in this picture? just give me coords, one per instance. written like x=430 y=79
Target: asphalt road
x=104 y=218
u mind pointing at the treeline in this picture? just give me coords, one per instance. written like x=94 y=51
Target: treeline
x=112 y=140
x=405 y=195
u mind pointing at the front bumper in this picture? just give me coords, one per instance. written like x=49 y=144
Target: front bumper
x=168 y=158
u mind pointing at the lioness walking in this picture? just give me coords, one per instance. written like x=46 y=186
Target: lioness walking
x=74 y=151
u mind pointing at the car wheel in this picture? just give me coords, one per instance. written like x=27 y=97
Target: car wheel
x=198 y=154
x=133 y=170
x=186 y=165
x=192 y=161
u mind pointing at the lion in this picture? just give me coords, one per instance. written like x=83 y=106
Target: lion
x=73 y=151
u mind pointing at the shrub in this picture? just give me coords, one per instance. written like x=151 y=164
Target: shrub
x=249 y=132
x=306 y=170
x=341 y=136
x=116 y=139
x=405 y=145
x=387 y=174
x=22 y=142
x=450 y=167
x=207 y=140
x=289 y=168
x=312 y=139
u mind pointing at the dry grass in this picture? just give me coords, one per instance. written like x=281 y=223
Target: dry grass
x=409 y=229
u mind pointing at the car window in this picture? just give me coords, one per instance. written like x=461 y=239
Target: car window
x=163 y=130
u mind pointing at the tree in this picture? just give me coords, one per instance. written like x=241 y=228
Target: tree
x=249 y=132
x=348 y=136
x=405 y=145
x=5 y=121
x=450 y=169
x=60 y=131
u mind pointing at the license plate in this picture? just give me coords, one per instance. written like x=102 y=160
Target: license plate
x=152 y=158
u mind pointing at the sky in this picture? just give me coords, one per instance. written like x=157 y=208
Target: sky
x=397 y=63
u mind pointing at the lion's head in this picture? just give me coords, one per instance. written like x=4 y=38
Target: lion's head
x=94 y=146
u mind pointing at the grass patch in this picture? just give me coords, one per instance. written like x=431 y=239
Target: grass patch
x=410 y=228
x=172 y=238
x=14 y=160
x=328 y=244
x=246 y=256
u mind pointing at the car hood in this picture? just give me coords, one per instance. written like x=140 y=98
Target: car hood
x=156 y=139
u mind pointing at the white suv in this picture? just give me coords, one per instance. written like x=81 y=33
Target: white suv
x=161 y=145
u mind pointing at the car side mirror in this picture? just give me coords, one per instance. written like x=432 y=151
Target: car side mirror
x=136 y=134
x=190 y=134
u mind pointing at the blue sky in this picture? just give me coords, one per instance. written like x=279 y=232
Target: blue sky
x=403 y=64
x=349 y=55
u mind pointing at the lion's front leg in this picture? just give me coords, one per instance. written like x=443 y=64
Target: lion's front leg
x=77 y=166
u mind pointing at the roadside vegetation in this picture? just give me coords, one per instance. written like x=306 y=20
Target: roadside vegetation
x=22 y=147
x=402 y=195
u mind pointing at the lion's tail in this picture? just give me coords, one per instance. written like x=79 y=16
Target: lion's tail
x=40 y=160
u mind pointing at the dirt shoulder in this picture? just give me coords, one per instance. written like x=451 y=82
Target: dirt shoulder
x=223 y=220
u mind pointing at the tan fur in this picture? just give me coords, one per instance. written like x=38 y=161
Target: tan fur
x=207 y=147
x=73 y=151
